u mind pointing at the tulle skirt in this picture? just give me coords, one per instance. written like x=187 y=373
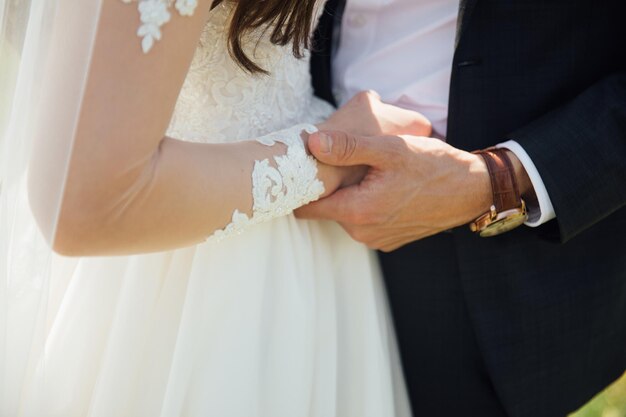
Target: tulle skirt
x=288 y=319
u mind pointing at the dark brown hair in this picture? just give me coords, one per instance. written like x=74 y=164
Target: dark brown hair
x=290 y=21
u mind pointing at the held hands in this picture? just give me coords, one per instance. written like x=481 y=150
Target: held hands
x=366 y=115
x=390 y=183
x=415 y=187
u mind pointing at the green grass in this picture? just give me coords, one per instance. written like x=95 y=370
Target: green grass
x=609 y=403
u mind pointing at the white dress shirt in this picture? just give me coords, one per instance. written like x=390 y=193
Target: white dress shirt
x=403 y=49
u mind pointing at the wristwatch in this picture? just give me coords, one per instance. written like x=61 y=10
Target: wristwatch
x=508 y=210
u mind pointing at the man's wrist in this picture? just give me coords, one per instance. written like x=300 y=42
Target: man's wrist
x=483 y=194
x=540 y=209
x=523 y=180
x=507 y=210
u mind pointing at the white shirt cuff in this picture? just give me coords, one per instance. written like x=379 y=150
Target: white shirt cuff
x=545 y=212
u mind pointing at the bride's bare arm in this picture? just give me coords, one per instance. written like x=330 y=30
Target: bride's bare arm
x=129 y=189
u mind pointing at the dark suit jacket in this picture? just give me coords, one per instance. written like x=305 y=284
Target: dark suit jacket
x=548 y=305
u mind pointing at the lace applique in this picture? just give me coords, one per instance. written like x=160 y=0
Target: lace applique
x=277 y=191
x=155 y=13
x=221 y=103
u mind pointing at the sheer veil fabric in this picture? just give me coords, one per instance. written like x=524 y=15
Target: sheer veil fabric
x=288 y=319
x=32 y=31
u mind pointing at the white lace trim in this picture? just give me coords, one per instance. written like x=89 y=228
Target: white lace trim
x=277 y=191
x=154 y=14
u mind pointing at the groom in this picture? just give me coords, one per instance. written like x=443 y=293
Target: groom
x=531 y=322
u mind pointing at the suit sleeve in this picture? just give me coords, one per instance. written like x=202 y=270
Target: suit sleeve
x=580 y=152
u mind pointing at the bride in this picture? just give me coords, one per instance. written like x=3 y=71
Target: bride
x=168 y=153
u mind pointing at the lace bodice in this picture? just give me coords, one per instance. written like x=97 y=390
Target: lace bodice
x=221 y=102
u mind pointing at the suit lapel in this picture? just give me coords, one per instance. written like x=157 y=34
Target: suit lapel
x=466 y=7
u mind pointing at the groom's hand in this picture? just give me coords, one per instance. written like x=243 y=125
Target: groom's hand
x=415 y=187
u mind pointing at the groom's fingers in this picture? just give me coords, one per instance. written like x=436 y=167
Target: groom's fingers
x=344 y=149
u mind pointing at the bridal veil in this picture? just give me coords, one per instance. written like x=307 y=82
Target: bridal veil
x=40 y=101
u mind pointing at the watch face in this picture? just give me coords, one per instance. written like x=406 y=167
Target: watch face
x=504 y=225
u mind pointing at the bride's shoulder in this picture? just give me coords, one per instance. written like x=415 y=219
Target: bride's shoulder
x=153 y=14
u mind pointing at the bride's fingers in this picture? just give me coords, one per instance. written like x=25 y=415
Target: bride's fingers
x=419 y=125
x=408 y=122
x=342 y=206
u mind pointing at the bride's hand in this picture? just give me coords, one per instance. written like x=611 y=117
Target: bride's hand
x=366 y=115
x=335 y=178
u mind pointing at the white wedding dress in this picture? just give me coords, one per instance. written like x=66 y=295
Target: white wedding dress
x=287 y=319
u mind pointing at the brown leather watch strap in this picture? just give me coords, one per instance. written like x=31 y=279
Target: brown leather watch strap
x=506 y=194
